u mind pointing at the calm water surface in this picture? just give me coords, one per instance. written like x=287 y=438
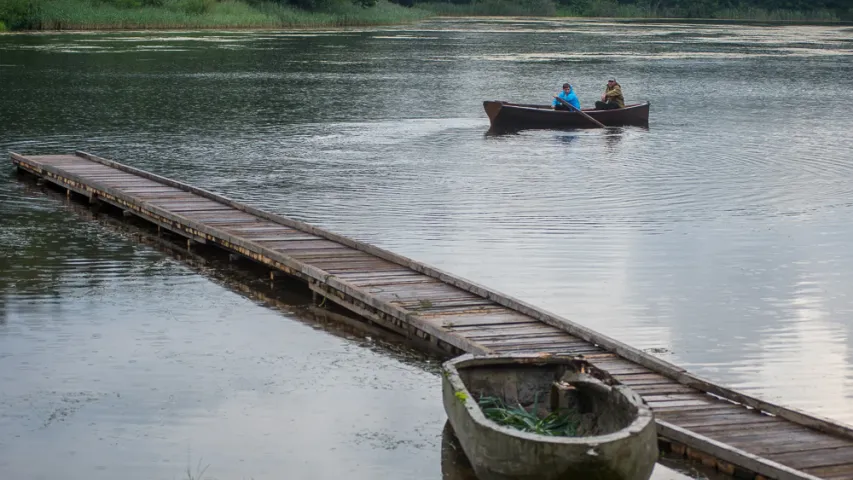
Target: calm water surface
x=718 y=238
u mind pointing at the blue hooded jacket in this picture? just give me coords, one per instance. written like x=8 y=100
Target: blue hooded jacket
x=569 y=97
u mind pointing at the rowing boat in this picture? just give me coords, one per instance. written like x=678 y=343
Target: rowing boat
x=608 y=431
x=505 y=116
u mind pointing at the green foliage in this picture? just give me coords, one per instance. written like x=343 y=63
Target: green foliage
x=189 y=6
x=97 y=14
x=322 y=5
x=133 y=3
x=791 y=10
x=763 y=15
x=130 y=14
x=734 y=9
x=558 y=423
x=2 y=26
x=592 y=8
x=20 y=14
x=542 y=8
x=198 y=7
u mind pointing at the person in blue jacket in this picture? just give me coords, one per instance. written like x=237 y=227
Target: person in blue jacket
x=568 y=94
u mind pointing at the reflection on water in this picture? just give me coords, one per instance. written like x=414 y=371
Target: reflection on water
x=454 y=463
x=456 y=466
x=253 y=405
x=108 y=373
x=718 y=237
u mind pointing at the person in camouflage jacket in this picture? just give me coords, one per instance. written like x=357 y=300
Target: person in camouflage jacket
x=612 y=97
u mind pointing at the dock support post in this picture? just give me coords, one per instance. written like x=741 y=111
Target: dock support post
x=94 y=203
x=67 y=193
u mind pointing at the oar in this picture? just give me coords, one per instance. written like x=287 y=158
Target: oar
x=579 y=111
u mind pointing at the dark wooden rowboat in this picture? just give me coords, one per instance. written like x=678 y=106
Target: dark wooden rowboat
x=616 y=438
x=505 y=116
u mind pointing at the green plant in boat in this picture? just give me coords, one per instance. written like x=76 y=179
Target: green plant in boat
x=560 y=423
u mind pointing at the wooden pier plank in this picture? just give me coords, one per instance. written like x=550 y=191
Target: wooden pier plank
x=470 y=319
x=801 y=442
x=825 y=457
x=664 y=389
x=836 y=472
x=473 y=321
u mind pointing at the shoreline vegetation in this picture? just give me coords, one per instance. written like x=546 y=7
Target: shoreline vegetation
x=57 y=15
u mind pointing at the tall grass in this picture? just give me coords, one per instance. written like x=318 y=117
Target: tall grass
x=178 y=14
x=539 y=8
x=614 y=9
x=610 y=8
x=763 y=15
x=84 y=15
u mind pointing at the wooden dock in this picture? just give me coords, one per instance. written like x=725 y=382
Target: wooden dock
x=731 y=431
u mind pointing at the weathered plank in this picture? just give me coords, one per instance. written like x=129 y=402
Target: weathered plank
x=717 y=407
x=825 y=457
x=801 y=442
x=836 y=472
x=518 y=330
x=661 y=389
x=421 y=301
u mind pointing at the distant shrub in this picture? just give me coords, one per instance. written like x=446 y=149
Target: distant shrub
x=492 y=7
x=133 y=3
x=198 y=6
x=20 y=14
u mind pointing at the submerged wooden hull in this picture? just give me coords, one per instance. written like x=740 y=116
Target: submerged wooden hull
x=619 y=441
x=512 y=116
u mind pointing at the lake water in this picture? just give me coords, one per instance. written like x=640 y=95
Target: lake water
x=718 y=238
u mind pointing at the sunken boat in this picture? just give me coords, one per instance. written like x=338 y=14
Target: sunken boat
x=604 y=431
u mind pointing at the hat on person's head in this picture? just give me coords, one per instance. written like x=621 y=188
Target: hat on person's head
x=611 y=79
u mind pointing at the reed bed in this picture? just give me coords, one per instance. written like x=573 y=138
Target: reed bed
x=614 y=9
x=761 y=15
x=538 y=8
